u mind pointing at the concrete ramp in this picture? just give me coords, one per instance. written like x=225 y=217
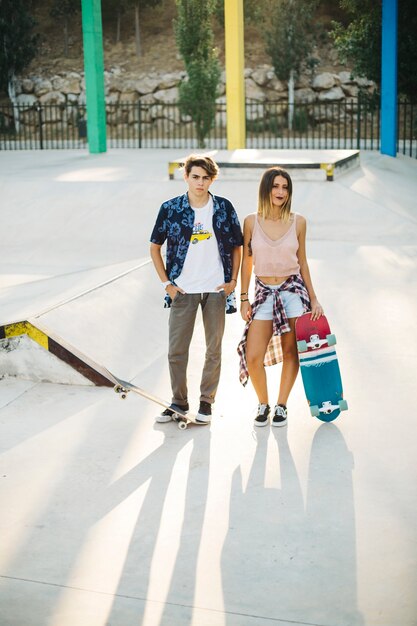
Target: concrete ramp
x=120 y=324
x=25 y=296
x=24 y=357
x=109 y=518
x=303 y=164
x=112 y=313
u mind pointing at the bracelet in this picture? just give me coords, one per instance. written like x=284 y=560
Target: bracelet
x=166 y=283
x=244 y=300
x=234 y=280
x=243 y=293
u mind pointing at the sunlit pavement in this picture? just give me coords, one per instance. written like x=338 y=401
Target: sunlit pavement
x=108 y=519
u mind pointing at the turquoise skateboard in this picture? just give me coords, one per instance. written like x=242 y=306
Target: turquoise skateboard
x=319 y=368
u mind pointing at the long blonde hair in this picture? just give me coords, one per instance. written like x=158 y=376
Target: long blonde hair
x=265 y=206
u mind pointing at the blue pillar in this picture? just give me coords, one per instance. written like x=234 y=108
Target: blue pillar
x=389 y=77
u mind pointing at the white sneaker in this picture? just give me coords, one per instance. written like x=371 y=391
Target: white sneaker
x=261 y=418
x=166 y=416
x=204 y=412
x=280 y=415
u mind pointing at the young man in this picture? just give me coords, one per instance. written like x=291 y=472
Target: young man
x=203 y=252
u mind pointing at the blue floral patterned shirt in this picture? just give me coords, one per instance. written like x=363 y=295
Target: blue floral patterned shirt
x=174 y=225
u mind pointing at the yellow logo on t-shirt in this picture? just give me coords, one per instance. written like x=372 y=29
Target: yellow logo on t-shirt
x=199 y=234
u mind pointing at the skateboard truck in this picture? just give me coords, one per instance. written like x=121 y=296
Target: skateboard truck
x=181 y=421
x=327 y=407
x=121 y=390
x=315 y=342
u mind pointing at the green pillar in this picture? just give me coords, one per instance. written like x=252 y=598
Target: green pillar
x=94 y=75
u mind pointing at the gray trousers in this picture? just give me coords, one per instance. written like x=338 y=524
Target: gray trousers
x=181 y=326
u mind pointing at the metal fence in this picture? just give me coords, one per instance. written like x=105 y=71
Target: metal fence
x=349 y=124
x=42 y=127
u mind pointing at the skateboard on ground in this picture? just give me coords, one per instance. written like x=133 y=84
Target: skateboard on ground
x=122 y=387
x=319 y=367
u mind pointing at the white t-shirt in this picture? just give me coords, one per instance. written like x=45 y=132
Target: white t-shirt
x=203 y=269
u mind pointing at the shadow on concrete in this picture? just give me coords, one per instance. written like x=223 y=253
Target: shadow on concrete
x=311 y=540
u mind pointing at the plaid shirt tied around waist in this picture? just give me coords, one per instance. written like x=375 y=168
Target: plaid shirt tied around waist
x=280 y=324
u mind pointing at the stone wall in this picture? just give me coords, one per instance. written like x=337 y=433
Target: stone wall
x=158 y=91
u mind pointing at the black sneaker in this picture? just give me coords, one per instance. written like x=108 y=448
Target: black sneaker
x=204 y=412
x=261 y=418
x=166 y=416
x=280 y=415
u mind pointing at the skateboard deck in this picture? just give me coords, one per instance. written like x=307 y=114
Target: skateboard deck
x=319 y=367
x=123 y=387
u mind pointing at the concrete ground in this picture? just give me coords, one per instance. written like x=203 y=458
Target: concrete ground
x=108 y=519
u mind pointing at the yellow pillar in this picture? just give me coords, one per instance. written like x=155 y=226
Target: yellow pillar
x=235 y=82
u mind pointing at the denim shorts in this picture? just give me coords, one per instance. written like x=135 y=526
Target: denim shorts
x=291 y=301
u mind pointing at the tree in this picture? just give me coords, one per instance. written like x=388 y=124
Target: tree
x=138 y=5
x=252 y=10
x=18 y=45
x=64 y=10
x=289 y=41
x=194 y=37
x=359 y=41
x=116 y=8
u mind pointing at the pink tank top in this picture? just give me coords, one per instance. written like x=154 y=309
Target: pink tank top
x=275 y=258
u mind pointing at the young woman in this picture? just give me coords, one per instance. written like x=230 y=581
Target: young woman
x=274 y=248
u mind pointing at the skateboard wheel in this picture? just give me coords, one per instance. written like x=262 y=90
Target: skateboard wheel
x=182 y=425
x=314 y=410
x=331 y=340
x=343 y=405
x=302 y=346
x=121 y=391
